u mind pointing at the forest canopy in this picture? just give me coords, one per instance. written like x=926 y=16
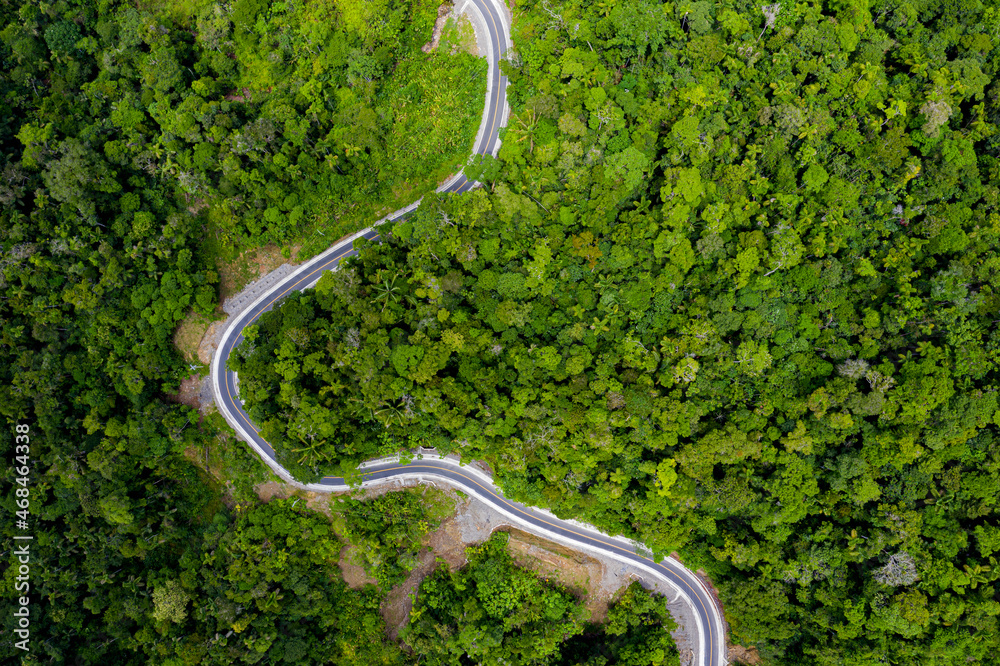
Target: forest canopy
x=138 y=143
x=730 y=288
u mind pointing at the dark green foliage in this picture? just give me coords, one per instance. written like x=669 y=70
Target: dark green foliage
x=269 y=577
x=763 y=331
x=490 y=612
x=387 y=531
x=635 y=633
x=118 y=124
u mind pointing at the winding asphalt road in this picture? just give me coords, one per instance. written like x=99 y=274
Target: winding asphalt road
x=708 y=635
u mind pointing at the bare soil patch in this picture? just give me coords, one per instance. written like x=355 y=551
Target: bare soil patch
x=445 y=543
x=270 y=490
x=210 y=341
x=197 y=336
x=354 y=574
x=742 y=655
x=236 y=274
x=196 y=457
x=274 y=489
x=246 y=94
x=590 y=579
x=189 y=333
x=195 y=204
x=189 y=393
x=241 y=95
x=595 y=580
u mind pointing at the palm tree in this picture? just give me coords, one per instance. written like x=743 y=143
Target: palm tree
x=386 y=290
x=310 y=452
x=388 y=412
x=979 y=574
x=526 y=129
x=359 y=408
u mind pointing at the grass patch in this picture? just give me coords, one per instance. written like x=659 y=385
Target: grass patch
x=459 y=37
x=438 y=504
x=182 y=12
x=189 y=334
x=236 y=272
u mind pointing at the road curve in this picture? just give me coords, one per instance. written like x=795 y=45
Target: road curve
x=709 y=634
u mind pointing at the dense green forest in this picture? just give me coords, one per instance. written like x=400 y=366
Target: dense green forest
x=492 y=612
x=139 y=144
x=731 y=289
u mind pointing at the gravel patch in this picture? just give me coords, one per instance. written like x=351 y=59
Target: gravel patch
x=239 y=302
x=206 y=398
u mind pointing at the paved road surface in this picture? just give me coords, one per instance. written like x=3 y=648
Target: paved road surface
x=708 y=637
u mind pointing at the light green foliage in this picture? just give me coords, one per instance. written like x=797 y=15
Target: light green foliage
x=689 y=185
x=170 y=602
x=278 y=116
x=815 y=177
x=630 y=165
x=760 y=243
x=387 y=532
x=490 y=611
x=764 y=334
x=753 y=358
x=683 y=255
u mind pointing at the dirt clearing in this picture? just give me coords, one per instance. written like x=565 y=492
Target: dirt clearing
x=742 y=655
x=236 y=274
x=189 y=393
x=189 y=334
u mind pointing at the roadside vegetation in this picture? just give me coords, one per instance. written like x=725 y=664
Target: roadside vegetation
x=140 y=145
x=730 y=289
x=387 y=530
x=493 y=612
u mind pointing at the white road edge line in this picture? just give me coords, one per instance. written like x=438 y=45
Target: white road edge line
x=218 y=371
